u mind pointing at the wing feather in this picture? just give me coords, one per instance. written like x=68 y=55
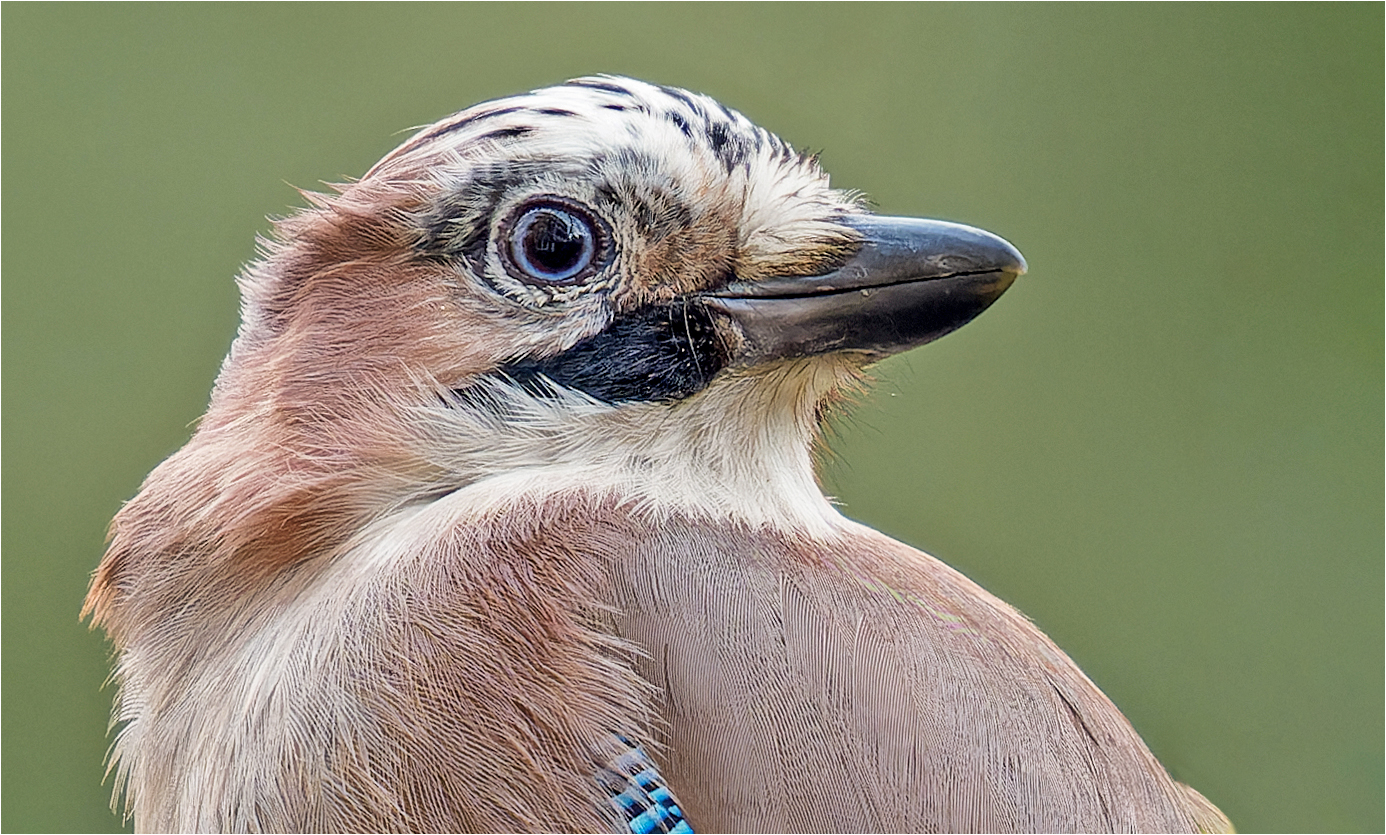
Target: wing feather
x=862 y=685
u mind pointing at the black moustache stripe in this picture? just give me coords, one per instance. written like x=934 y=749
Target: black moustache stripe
x=658 y=354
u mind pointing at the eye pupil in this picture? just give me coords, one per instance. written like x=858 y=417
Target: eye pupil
x=552 y=244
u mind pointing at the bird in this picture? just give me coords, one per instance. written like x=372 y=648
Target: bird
x=503 y=516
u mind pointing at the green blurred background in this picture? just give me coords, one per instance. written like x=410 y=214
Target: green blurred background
x=1164 y=444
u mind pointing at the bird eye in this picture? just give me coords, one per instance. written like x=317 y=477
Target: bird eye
x=552 y=243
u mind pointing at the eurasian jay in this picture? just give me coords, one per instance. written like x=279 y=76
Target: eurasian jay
x=503 y=516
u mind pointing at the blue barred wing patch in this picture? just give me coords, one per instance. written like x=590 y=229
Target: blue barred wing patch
x=638 y=792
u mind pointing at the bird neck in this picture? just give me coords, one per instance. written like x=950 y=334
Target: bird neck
x=741 y=450
x=252 y=494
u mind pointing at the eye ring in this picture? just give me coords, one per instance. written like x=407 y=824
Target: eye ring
x=552 y=242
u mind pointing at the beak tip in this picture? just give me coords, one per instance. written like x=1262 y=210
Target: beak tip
x=1007 y=258
x=1019 y=267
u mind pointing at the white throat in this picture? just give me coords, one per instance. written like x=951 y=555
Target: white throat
x=741 y=450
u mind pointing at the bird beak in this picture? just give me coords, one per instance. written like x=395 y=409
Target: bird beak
x=912 y=281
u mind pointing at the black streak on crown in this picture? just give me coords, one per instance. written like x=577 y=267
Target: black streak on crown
x=505 y=133
x=658 y=354
x=598 y=84
x=444 y=130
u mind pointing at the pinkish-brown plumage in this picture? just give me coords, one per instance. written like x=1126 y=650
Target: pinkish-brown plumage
x=510 y=466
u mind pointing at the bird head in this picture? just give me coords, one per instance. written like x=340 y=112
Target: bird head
x=603 y=285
